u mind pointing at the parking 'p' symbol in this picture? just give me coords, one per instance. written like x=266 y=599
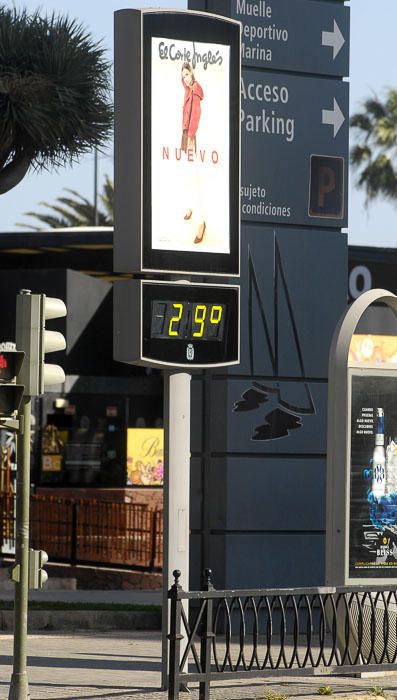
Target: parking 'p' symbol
x=326 y=187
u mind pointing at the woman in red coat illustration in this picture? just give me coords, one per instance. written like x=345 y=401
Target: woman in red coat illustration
x=190 y=122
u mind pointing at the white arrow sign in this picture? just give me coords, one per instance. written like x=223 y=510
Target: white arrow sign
x=334 y=39
x=334 y=117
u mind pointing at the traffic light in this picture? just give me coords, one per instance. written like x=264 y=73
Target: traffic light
x=37 y=575
x=33 y=310
x=10 y=392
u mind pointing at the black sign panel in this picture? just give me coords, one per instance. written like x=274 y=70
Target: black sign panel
x=373 y=476
x=303 y=36
x=165 y=324
x=279 y=311
x=294 y=132
x=177 y=143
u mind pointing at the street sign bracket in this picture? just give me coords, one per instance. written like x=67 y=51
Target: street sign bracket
x=13 y=424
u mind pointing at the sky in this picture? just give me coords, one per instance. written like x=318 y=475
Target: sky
x=373 y=50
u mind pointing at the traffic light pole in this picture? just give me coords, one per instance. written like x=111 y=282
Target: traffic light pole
x=32 y=339
x=19 y=688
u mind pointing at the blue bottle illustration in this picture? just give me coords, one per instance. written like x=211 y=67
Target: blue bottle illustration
x=379 y=457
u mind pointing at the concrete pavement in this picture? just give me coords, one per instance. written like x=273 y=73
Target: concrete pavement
x=126 y=666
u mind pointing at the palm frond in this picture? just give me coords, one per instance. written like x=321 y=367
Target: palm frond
x=374 y=153
x=375 y=108
x=360 y=154
x=49 y=220
x=107 y=200
x=361 y=121
x=54 y=89
x=75 y=210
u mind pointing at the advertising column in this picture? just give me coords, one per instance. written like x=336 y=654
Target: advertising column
x=361 y=544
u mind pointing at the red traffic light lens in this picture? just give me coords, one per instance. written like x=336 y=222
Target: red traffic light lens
x=10 y=364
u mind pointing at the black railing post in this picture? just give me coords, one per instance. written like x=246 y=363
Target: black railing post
x=207 y=636
x=153 y=537
x=174 y=638
x=73 y=535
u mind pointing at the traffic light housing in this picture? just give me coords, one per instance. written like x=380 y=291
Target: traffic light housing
x=10 y=392
x=38 y=576
x=33 y=310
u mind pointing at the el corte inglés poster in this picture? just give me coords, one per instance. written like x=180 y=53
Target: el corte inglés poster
x=190 y=106
x=373 y=477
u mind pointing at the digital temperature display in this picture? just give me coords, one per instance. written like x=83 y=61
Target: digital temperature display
x=169 y=324
x=187 y=320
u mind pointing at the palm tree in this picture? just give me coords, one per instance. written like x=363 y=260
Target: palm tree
x=375 y=153
x=75 y=210
x=54 y=93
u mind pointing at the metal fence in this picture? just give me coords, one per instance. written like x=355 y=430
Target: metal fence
x=97 y=532
x=321 y=631
x=7 y=522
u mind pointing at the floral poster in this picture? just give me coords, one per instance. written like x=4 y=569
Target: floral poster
x=145 y=456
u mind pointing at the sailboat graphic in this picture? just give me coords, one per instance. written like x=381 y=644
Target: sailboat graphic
x=286 y=409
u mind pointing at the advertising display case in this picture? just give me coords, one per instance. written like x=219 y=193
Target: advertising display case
x=361 y=525
x=372 y=550
x=177 y=143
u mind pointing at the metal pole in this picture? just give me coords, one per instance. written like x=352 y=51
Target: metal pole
x=174 y=638
x=73 y=543
x=19 y=688
x=176 y=493
x=207 y=636
x=95 y=187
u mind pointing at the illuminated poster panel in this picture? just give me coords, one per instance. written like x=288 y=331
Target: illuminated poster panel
x=373 y=348
x=177 y=116
x=190 y=146
x=372 y=546
x=145 y=456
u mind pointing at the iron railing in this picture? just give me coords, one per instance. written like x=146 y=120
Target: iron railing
x=7 y=522
x=94 y=532
x=321 y=631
